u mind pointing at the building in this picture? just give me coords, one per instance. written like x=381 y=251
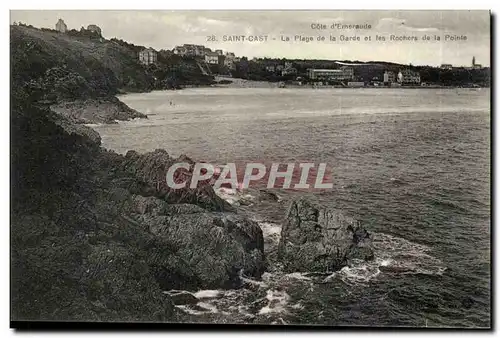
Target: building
x=219 y=52
x=180 y=50
x=199 y=50
x=342 y=74
x=212 y=58
x=270 y=69
x=446 y=66
x=229 y=61
x=409 y=77
x=475 y=65
x=191 y=50
x=389 y=77
x=61 y=26
x=288 y=69
x=95 y=29
x=221 y=60
x=148 y=56
x=355 y=84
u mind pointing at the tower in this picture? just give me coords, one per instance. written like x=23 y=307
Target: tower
x=61 y=26
x=473 y=61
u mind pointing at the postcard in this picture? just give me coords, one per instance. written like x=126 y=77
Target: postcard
x=289 y=168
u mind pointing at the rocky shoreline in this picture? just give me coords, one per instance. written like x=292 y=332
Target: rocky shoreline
x=104 y=235
x=99 y=236
x=97 y=110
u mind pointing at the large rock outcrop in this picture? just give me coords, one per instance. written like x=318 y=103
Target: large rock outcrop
x=96 y=110
x=318 y=239
x=98 y=236
x=145 y=174
x=205 y=249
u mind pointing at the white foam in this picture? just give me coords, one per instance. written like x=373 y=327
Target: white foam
x=359 y=273
x=297 y=306
x=254 y=282
x=186 y=309
x=207 y=294
x=267 y=276
x=407 y=256
x=279 y=321
x=298 y=276
x=329 y=278
x=271 y=231
x=233 y=196
x=210 y=307
x=277 y=302
x=385 y=262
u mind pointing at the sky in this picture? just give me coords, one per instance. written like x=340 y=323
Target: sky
x=166 y=29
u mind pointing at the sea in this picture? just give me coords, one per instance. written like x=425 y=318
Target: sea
x=412 y=165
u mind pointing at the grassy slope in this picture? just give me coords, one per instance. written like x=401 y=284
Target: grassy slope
x=56 y=271
x=106 y=66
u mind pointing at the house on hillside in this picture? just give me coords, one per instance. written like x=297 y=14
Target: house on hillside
x=212 y=58
x=342 y=74
x=61 y=26
x=95 y=29
x=190 y=50
x=229 y=61
x=408 y=77
x=389 y=77
x=148 y=56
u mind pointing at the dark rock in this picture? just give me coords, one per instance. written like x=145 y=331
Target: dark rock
x=317 y=239
x=151 y=168
x=148 y=205
x=213 y=249
x=73 y=126
x=182 y=297
x=174 y=209
x=97 y=236
x=103 y=110
x=265 y=195
x=394 y=269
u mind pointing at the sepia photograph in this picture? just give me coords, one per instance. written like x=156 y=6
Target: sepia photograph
x=265 y=168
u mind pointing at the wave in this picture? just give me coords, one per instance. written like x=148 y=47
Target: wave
x=269 y=299
x=278 y=301
x=207 y=294
x=393 y=255
x=271 y=232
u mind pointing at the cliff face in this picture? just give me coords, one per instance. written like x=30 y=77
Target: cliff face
x=97 y=235
x=78 y=76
